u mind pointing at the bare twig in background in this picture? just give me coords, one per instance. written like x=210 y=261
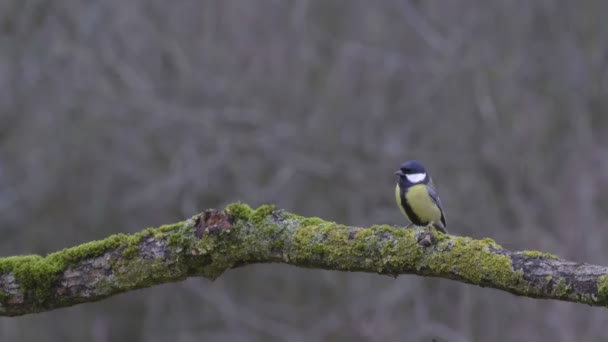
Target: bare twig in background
x=422 y=26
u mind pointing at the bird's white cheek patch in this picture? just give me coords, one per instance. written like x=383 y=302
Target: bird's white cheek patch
x=416 y=177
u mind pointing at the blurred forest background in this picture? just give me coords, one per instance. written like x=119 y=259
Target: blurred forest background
x=120 y=115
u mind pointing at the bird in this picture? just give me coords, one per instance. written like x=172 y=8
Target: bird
x=417 y=198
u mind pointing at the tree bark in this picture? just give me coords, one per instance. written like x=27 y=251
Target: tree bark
x=210 y=243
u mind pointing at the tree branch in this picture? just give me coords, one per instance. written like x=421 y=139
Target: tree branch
x=215 y=241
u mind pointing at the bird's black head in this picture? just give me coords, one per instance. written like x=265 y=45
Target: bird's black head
x=413 y=172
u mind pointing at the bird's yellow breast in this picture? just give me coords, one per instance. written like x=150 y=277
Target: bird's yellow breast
x=422 y=204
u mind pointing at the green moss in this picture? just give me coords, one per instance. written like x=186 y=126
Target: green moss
x=138 y=273
x=305 y=244
x=174 y=240
x=587 y=298
x=363 y=233
x=37 y=274
x=385 y=249
x=90 y=249
x=326 y=241
x=561 y=288
x=273 y=234
x=278 y=244
x=261 y=214
x=602 y=289
x=537 y=254
x=170 y=227
x=312 y=221
x=105 y=286
x=492 y=243
x=386 y=229
x=239 y=211
x=34 y=273
x=151 y=232
x=8 y=264
x=266 y=230
x=3 y=298
x=130 y=252
x=317 y=249
x=473 y=261
x=179 y=241
x=403 y=252
x=359 y=243
x=181 y=236
x=132 y=245
x=206 y=245
x=216 y=253
x=292 y=216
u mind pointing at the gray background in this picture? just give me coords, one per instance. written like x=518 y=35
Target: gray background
x=119 y=115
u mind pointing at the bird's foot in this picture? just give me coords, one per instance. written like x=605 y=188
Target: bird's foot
x=438 y=226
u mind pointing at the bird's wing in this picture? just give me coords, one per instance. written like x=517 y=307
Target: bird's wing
x=431 y=184
x=433 y=193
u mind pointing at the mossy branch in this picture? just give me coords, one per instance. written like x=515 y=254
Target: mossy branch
x=215 y=241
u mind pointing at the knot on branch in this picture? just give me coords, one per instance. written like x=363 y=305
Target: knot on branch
x=425 y=239
x=212 y=221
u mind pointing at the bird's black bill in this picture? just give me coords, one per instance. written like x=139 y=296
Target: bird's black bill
x=399 y=173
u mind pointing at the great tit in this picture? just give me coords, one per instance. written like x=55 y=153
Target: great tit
x=417 y=198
